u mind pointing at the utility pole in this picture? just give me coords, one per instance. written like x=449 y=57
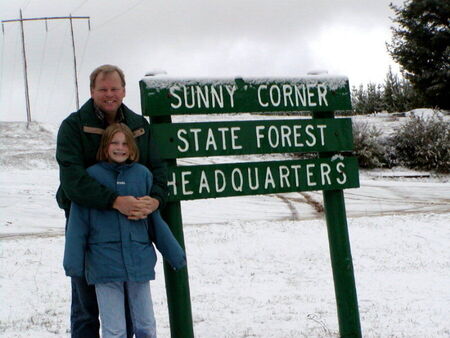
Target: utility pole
x=25 y=72
x=21 y=20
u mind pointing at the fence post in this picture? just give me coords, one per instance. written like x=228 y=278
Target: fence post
x=341 y=258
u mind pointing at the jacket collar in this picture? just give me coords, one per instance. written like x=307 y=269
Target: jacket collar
x=116 y=166
x=89 y=117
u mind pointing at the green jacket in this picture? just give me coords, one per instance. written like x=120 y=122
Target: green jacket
x=76 y=148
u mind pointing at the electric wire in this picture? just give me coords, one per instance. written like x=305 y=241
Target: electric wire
x=83 y=53
x=36 y=98
x=55 y=77
x=26 y=5
x=2 y=58
x=14 y=71
x=79 y=6
x=107 y=21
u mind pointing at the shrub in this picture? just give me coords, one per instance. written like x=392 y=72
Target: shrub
x=368 y=145
x=424 y=143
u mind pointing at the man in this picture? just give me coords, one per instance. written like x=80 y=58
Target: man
x=77 y=144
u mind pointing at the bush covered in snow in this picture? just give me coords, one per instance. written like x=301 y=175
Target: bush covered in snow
x=424 y=143
x=367 y=145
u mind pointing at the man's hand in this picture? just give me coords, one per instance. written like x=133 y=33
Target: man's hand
x=136 y=208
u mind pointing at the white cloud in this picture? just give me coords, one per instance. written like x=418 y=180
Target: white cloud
x=187 y=38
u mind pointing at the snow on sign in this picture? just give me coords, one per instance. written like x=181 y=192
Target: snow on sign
x=170 y=96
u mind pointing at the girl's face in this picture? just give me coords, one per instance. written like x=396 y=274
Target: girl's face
x=118 y=151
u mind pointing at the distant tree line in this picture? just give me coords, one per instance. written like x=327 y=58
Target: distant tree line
x=396 y=94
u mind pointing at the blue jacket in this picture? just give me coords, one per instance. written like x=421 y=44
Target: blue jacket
x=105 y=246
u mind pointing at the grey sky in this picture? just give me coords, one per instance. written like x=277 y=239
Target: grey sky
x=186 y=38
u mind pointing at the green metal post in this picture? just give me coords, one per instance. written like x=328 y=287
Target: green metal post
x=341 y=258
x=177 y=282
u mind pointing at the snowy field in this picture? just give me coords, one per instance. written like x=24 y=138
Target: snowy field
x=259 y=266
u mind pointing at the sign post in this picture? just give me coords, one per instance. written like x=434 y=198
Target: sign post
x=341 y=258
x=330 y=171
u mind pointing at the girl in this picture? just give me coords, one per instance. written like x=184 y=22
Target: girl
x=113 y=252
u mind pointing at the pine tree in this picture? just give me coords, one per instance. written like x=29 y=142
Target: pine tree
x=421 y=45
x=391 y=92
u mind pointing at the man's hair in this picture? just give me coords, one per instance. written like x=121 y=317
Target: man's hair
x=106 y=69
x=113 y=129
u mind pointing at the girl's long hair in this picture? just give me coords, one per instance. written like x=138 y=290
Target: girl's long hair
x=102 y=153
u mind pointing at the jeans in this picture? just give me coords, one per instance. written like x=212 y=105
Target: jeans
x=110 y=298
x=84 y=321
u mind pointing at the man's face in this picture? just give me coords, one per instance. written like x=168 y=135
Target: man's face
x=108 y=92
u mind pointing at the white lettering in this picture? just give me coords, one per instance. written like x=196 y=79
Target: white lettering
x=192 y=104
x=220 y=173
x=297 y=135
x=309 y=175
x=310 y=95
x=285 y=136
x=269 y=179
x=308 y=131
x=195 y=131
x=185 y=182
x=274 y=102
x=202 y=96
x=223 y=131
x=284 y=176
x=210 y=141
x=256 y=185
x=259 y=136
x=237 y=187
x=234 y=138
x=297 y=168
x=173 y=183
x=340 y=167
x=203 y=183
x=299 y=95
x=262 y=104
x=273 y=133
x=176 y=96
x=321 y=128
x=182 y=139
x=215 y=97
x=287 y=92
x=231 y=90
x=322 y=90
x=325 y=170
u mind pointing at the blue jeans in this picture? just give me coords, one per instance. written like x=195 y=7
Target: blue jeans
x=84 y=321
x=110 y=298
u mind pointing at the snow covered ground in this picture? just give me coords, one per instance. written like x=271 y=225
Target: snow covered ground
x=259 y=266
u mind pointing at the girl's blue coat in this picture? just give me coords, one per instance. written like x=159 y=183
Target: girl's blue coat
x=105 y=245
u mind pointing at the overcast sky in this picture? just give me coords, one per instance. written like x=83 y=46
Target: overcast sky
x=220 y=38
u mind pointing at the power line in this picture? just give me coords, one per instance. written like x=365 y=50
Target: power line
x=22 y=20
x=107 y=21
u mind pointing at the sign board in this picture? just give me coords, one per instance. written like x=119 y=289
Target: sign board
x=169 y=96
x=257 y=178
x=178 y=140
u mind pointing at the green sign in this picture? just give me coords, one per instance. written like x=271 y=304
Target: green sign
x=162 y=97
x=177 y=140
x=167 y=96
x=252 y=178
